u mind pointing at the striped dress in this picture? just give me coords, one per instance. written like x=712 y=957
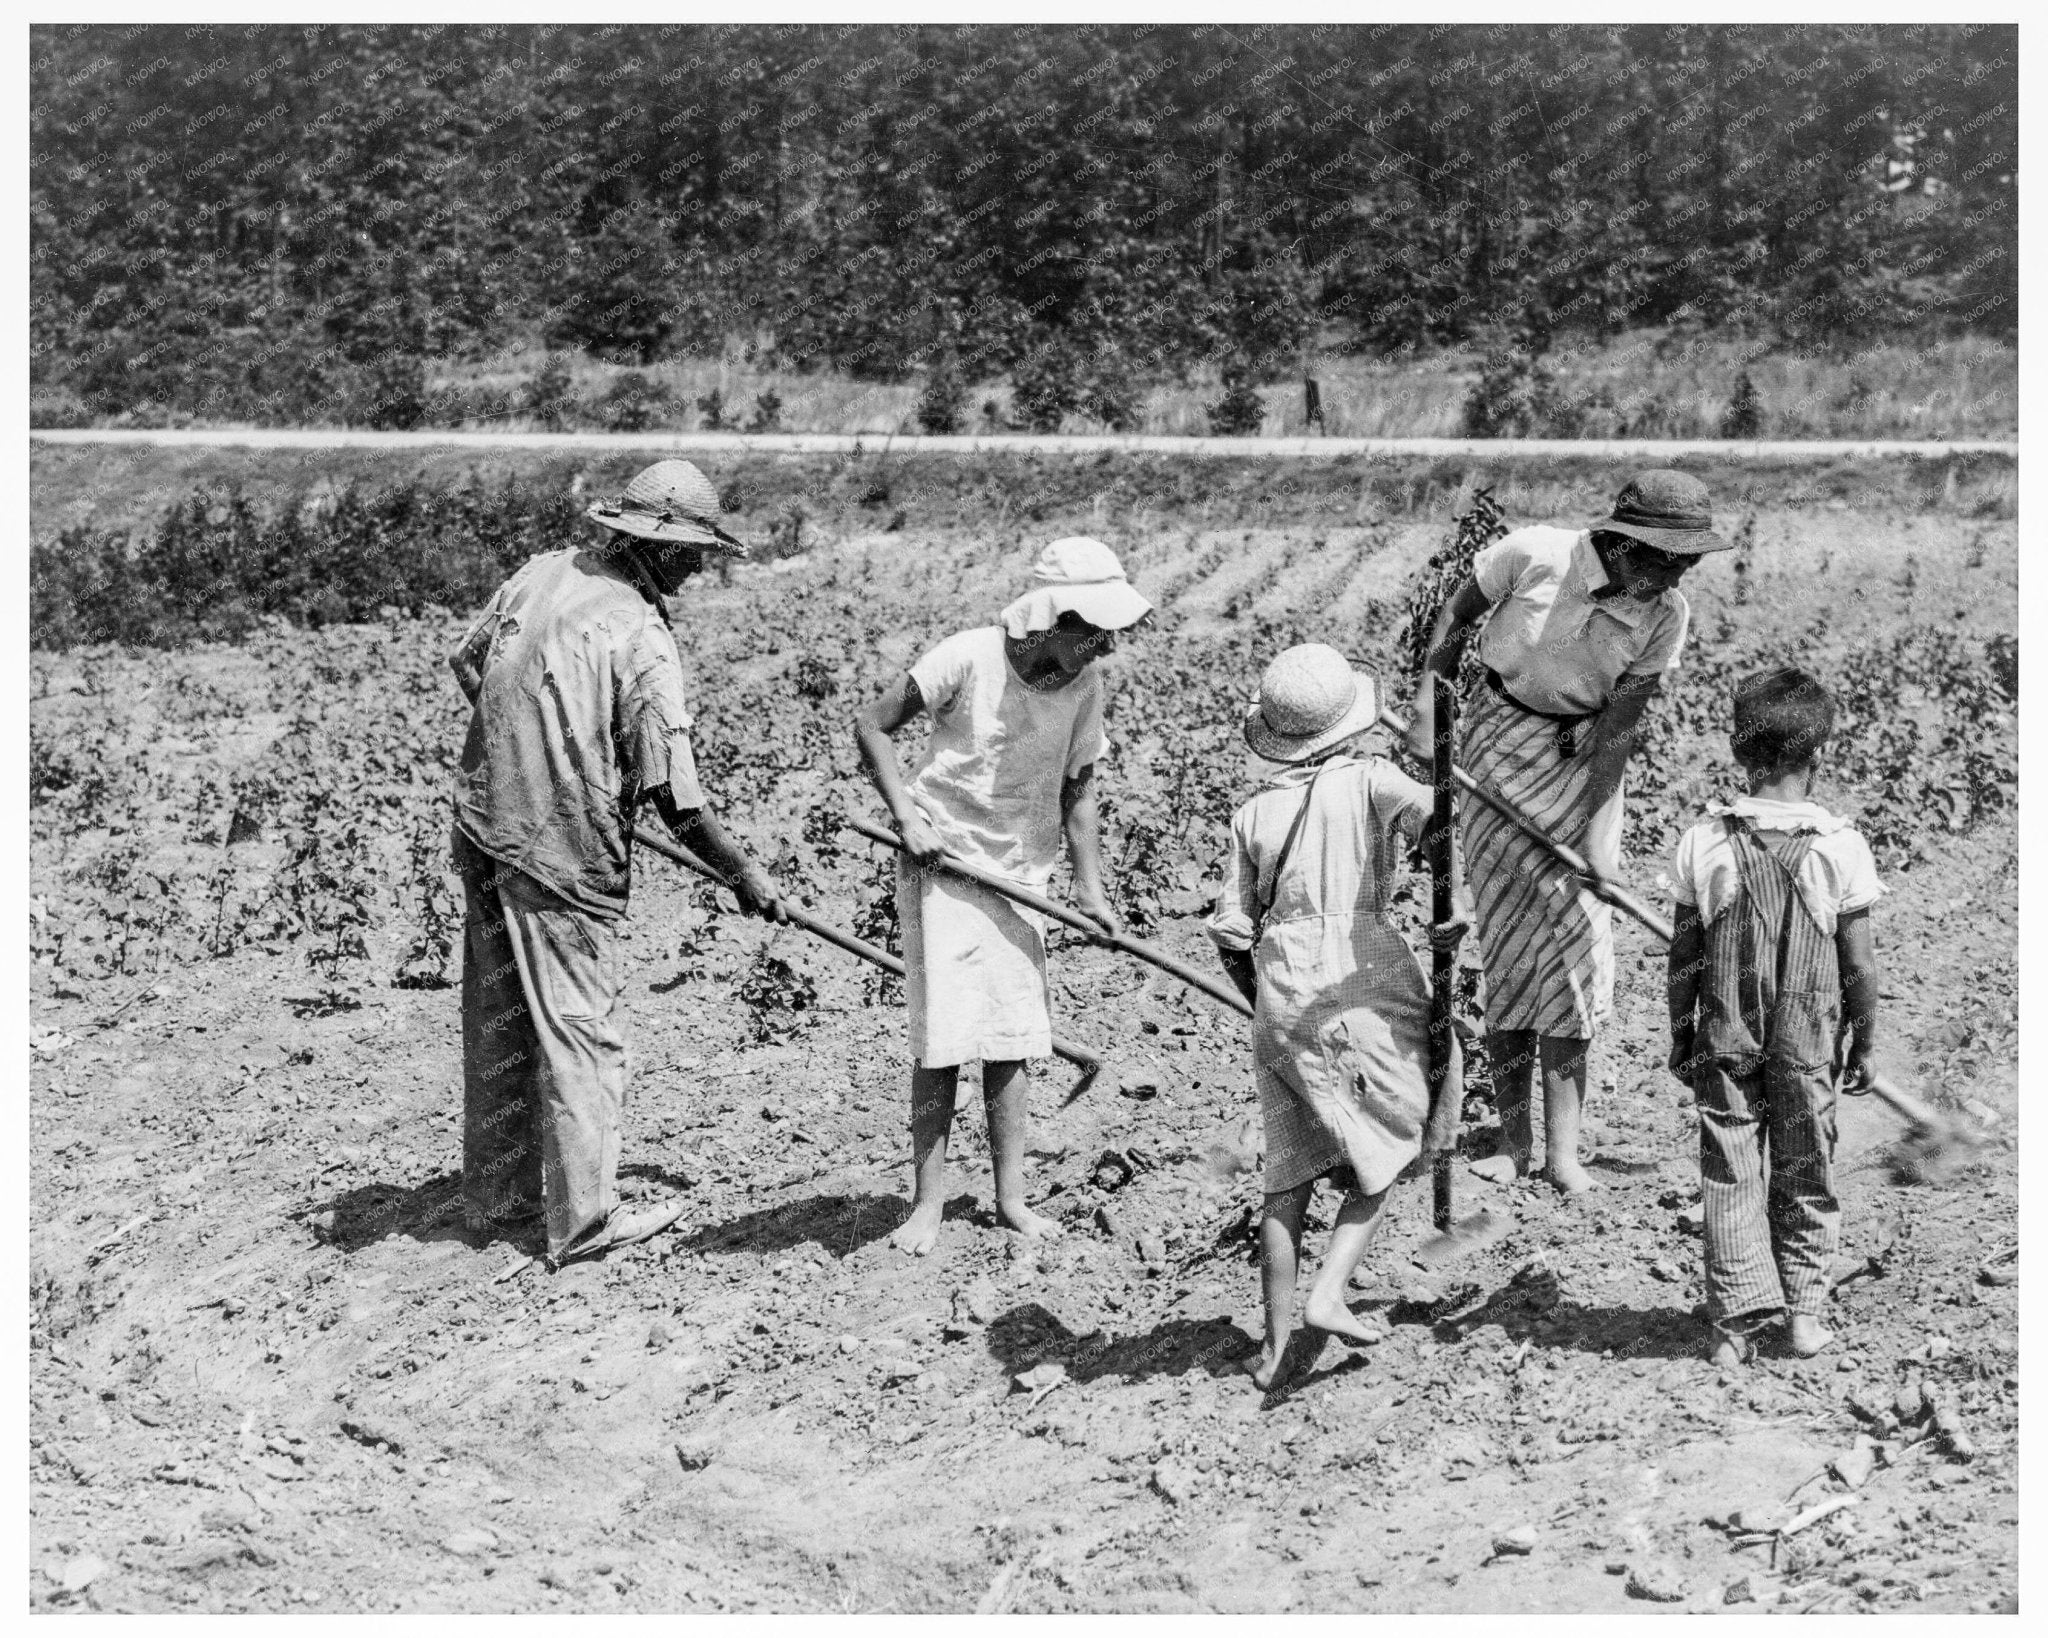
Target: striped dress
x=1560 y=640
x=1547 y=943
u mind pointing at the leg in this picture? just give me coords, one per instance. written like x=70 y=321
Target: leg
x=566 y=969
x=1805 y=1215
x=1512 y=1053
x=1357 y=1224
x=1742 y=1282
x=931 y=1121
x=500 y=1060
x=1565 y=1060
x=1006 y=1090
x=1279 y=1256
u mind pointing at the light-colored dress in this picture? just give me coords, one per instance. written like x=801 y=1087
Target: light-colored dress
x=988 y=782
x=1340 y=1033
x=1558 y=647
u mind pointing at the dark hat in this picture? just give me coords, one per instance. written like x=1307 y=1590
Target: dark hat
x=1668 y=510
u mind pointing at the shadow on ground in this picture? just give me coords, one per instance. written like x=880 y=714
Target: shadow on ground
x=840 y=1223
x=1030 y=1334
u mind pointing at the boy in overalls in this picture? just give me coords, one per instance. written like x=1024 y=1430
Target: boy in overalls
x=1773 y=990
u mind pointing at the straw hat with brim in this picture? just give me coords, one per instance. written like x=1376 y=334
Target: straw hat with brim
x=672 y=503
x=1667 y=510
x=1309 y=699
x=1076 y=576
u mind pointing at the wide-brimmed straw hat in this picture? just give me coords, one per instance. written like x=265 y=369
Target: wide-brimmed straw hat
x=1078 y=576
x=673 y=503
x=1668 y=510
x=1310 y=699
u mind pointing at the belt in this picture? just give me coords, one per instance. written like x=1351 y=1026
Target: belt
x=1567 y=726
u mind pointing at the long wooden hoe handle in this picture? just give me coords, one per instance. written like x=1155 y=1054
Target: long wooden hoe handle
x=1071 y=918
x=1080 y=1057
x=1911 y=1108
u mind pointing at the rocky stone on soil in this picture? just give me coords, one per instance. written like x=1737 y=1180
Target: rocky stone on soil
x=1174 y=1480
x=1519 y=1541
x=1656 y=1581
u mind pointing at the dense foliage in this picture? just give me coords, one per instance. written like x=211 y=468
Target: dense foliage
x=284 y=223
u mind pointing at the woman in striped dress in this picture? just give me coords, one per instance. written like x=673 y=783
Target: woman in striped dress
x=1576 y=629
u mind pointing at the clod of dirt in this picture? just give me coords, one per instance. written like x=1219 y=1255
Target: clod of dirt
x=373 y=1435
x=470 y=1543
x=1113 y=1170
x=1042 y=1378
x=1759 y=1516
x=1948 y=1424
x=659 y=1336
x=1853 y=1467
x=978 y=1302
x=1907 y=1404
x=1152 y=1251
x=81 y=1572
x=1173 y=1481
x=1658 y=1582
x=694 y=1458
x=1519 y=1541
x=1666 y=1271
x=1743 y=1590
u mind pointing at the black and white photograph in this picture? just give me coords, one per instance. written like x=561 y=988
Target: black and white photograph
x=1071 y=817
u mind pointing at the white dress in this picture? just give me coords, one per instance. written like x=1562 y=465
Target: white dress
x=989 y=784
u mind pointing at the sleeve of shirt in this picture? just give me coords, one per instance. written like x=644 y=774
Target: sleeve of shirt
x=1405 y=804
x=1498 y=569
x=653 y=723
x=1090 y=744
x=1667 y=637
x=1683 y=891
x=468 y=655
x=1234 y=923
x=942 y=672
x=1854 y=872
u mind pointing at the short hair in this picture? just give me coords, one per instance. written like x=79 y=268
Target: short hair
x=1782 y=718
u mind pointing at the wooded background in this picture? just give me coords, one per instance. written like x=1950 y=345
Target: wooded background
x=246 y=221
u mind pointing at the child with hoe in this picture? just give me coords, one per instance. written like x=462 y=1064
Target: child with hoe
x=1017 y=730
x=1340 y=1027
x=1772 y=975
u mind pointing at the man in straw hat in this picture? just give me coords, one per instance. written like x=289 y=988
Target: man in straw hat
x=578 y=719
x=1016 y=714
x=1577 y=627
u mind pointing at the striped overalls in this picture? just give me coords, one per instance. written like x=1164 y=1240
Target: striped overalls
x=1769 y=1018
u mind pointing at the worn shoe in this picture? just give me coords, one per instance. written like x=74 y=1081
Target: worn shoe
x=623 y=1228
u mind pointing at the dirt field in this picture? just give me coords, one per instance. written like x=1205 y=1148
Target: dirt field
x=268 y=1372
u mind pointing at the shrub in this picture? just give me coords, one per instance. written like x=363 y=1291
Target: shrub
x=634 y=403
x=547 y=393
x=939 y=405
x=1514 y=397
x=711 y=412
x=1048 y=384
x=1744 y=417
x=1240 y=412
x=767 y=416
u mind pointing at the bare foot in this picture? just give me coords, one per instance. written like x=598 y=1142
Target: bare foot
x=1339 y=1321
x=1501 y=1168
x=920 y=1231
x=1263 y=1367
x=1730 y=1350
x=1806 y=1335
x=1569 y=1177
x=1025 y=1221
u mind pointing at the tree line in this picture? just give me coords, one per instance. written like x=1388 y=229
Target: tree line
x=248 y=221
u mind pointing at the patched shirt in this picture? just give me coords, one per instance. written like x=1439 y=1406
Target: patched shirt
x=580 y=712
x=1558 y=647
